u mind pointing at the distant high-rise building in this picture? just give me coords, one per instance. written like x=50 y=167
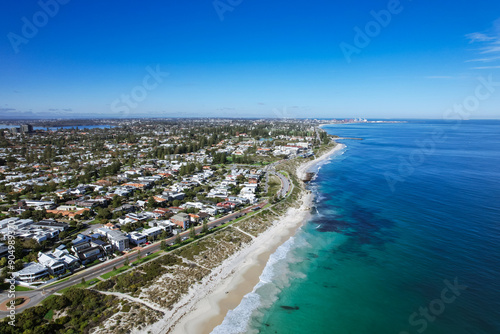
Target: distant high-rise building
x=26 y=128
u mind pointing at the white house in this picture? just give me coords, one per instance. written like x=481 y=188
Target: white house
x=55 y=266
x=137 y=238
x=118 y=240
x=152 y=232
x=31 y=272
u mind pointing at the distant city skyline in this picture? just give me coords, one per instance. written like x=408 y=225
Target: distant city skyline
x=250 y=59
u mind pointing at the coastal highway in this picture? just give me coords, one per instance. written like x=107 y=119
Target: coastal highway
x=285 y=184
x=92 y=273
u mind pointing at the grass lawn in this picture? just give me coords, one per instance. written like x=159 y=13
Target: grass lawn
x=145 y=258
x=57 y=282
x=115 y=272
x=49 y=315
x=81 y=285
x=6 y=286
x=96 y=262
x=274 y=185
x=185 y=242
x=282 y=172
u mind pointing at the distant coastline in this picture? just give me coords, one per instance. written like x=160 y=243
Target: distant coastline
x=347 y=122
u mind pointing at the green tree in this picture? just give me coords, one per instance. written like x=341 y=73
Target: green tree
x=204 y=228
x=116 y=202
x=151 y=202
x=192 y=232
x=63 y=235
x=103 y=214
x=127 y=261
x=18 y=265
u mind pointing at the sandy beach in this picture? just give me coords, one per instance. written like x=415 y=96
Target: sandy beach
x=244 y=271
x=206 y=304
x=304 y=168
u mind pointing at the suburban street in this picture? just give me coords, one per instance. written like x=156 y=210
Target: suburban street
x=94 y=272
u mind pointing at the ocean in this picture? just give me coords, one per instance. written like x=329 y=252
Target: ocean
x=404 y=238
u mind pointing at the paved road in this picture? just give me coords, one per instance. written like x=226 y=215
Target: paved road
x=92 y=273
x=285 y=184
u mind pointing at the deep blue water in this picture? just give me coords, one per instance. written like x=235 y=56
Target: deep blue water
x=405 y=238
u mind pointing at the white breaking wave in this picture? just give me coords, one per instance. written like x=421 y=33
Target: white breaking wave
x=262 y=295
x=317 y=167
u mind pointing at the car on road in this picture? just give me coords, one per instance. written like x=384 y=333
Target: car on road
x=148 y=243
x=148 y=253
x=93 y=282
x=184 y=238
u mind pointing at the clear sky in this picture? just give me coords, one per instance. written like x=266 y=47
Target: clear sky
x=242 y=58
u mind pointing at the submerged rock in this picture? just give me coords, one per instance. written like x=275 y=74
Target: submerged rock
x=308 y=177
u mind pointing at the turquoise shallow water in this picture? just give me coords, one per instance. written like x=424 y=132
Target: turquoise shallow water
x=404 y=238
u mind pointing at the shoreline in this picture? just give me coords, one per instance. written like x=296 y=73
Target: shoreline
x=305 y=168
x=210 y=310
x=207 y=304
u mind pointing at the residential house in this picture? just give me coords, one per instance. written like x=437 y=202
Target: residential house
x=55 y=266
x=137 y=216
x=181 y=219
x=4 y=250
x=211 y=210
x=31 y=272
x=81 y=238
x=51 y=224
x=152 y=232
x=108 y=248
x=166 y=225
x=118 y=240
x=161 y=211
x=137 y=238
x=87 y=253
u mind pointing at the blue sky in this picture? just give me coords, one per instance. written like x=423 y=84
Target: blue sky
x=241 y=58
